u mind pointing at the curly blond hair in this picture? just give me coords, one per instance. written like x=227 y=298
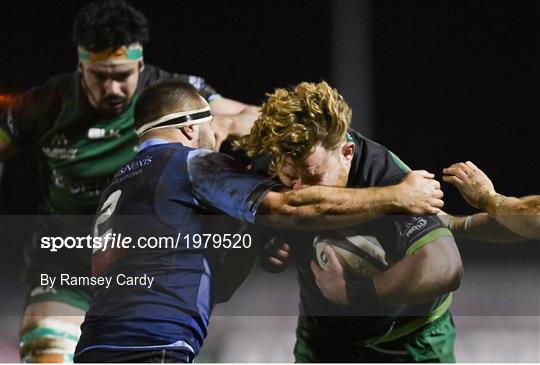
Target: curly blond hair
x=293 y=121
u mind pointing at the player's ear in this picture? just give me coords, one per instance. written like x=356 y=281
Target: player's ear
x=189 y=132
x=347 y=151
x=141 y=66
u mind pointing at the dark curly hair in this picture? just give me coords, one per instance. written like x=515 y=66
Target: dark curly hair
x=108 y=24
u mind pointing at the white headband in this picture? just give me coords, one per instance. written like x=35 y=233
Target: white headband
x=177 y=120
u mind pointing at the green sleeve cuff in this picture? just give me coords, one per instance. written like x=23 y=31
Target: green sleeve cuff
x=431 y=236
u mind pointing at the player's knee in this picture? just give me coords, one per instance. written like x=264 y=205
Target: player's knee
x=48 y=340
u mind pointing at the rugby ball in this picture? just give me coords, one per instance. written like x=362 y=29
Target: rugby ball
x=361 y=255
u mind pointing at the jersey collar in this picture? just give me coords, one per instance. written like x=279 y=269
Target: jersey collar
x=355 y=163
x=151 y=142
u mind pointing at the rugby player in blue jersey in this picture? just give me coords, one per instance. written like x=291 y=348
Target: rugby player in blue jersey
x=80 y=126
x=174 y=185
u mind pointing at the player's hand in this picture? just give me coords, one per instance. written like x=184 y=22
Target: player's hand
x=332 y=281
x=471 y=182
x=275 y=255
x=420 y=193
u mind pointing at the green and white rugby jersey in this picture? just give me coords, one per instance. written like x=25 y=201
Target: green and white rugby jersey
x=78 y=152
x=372 y=165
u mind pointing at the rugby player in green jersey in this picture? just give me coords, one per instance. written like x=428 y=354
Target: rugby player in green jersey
x=401 y=314
x=81 y=124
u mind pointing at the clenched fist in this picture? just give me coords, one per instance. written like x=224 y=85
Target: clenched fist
x=420 y=193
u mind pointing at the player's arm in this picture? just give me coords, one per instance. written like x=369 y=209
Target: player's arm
x=433 y=270
x=521 y=215
x=25 y=117
x=323 y=207
x=232 y=118
x=479 y=226
x=431 y=266
x=219 y=182
x=430 y=272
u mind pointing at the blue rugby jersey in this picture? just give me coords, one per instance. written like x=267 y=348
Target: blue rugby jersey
x=165 y=190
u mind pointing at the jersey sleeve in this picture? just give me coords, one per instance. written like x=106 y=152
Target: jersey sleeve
x=219 y=182
x=394 y=169
x=26 y=117
x=414 y=232
x=375 y=165
x=204 y=88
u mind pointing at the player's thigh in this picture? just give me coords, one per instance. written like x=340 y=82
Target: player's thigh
x=433 y=343
x=50 y=331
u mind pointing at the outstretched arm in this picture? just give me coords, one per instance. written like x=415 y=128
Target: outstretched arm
x=479 y=226
x=521 y=215
x=323 y=207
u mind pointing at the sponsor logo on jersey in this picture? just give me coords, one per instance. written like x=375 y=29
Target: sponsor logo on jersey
x=60 y=153
x=414 y=227
x=101 y=133
x=133 y=165
x=58 y=148
x=91 y=187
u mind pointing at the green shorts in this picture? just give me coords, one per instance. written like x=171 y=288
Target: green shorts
x=432 y=343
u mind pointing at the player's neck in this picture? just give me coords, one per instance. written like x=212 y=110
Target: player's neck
x=168 y=134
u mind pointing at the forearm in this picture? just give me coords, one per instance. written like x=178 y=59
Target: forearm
x=521 y=215
x=481 y=227
x=420 y=277
x=246 y=117
x=322 y=207
x=236 y=122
